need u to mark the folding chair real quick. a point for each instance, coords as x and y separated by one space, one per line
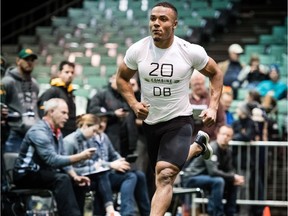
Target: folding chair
179 191
16 200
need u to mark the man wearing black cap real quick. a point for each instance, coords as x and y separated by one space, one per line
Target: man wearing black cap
19 92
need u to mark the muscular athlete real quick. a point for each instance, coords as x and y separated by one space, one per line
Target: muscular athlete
165 64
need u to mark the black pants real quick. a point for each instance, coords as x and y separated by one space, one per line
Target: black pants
59 183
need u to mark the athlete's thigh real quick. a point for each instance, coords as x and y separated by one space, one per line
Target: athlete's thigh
153 141
176 141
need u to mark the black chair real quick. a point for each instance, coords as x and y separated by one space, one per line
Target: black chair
17 201
179 191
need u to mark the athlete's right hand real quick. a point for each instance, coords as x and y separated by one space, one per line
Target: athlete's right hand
208 117
141 110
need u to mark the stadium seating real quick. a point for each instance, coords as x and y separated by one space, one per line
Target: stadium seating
241 94
43 30
10 49
110 70
97 82
254 49
88 71
27 39
41 71
85 34
106 60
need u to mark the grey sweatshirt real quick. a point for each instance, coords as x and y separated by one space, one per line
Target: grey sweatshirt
20 93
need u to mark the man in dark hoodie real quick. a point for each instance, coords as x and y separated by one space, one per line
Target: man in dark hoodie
19 92
61 87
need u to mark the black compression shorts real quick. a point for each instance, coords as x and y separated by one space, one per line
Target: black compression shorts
169 141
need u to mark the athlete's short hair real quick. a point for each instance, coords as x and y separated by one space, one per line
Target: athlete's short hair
167 5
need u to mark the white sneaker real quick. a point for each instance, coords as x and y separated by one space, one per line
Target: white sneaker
202 139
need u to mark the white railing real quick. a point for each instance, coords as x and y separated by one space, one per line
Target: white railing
264 165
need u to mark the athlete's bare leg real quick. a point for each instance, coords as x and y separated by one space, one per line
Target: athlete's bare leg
165 177
194 150
201 141
166 174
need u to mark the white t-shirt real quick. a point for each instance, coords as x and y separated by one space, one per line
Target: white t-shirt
165 75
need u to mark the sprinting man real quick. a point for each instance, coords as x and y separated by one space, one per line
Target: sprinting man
165 64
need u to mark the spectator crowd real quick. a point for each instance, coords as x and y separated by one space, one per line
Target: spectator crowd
104 150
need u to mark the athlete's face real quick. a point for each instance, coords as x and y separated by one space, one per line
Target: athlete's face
162 23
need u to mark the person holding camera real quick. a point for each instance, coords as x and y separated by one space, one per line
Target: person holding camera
19 93
253 73
108 170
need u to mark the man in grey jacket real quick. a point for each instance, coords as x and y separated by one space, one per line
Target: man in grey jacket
216 175
19 92
42 163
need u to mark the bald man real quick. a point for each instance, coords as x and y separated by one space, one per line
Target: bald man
200 100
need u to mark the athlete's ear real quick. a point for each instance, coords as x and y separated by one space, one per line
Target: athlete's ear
175 23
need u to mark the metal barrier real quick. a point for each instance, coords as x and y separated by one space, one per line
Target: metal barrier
264 165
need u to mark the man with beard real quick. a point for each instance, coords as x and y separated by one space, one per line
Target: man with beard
19 92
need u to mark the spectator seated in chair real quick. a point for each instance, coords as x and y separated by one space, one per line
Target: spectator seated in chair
117 174
216 175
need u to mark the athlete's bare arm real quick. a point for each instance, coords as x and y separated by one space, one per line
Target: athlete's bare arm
123 77
215 75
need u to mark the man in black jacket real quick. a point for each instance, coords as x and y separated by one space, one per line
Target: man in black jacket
121 127
216 175
61 87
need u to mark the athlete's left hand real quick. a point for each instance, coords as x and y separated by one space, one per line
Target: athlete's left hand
141 110
208 117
